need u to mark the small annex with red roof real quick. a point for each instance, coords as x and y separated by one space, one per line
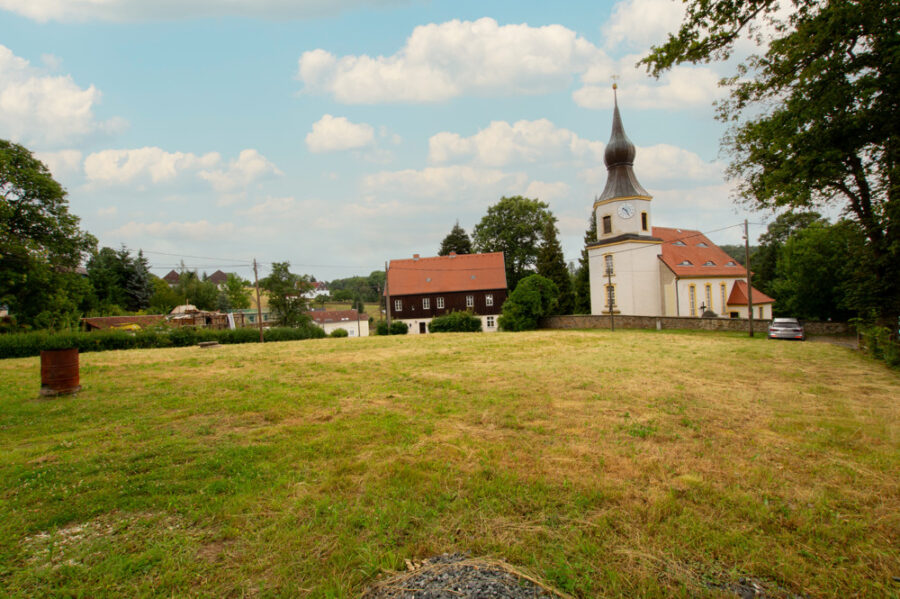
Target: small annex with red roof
642 270
421 288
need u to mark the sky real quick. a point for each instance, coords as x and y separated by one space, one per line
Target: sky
339 134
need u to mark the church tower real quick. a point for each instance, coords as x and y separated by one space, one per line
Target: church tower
624 260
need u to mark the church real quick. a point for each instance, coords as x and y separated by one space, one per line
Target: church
643 270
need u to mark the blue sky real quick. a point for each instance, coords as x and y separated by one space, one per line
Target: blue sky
337 135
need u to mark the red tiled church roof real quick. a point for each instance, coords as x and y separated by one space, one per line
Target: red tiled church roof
738 295
445 274
692 258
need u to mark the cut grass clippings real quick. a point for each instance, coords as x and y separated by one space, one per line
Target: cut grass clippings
634 463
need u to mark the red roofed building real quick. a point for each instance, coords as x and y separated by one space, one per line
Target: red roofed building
656 271
356 324
422 288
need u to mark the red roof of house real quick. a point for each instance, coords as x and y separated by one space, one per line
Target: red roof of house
323 316
105 322
445 274
217 277
690 253
171 278
738 295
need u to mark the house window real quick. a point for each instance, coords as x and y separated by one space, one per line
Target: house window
488 299
398 305
760 312
702 245
709 263
708 296
722 289
608 259
610 295
426 303
679 242
607 224
490 322
644 221
470 301
440 303
692 297
685 263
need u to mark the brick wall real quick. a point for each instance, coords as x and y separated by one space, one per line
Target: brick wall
588 321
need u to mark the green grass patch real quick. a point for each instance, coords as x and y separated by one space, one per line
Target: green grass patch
634 463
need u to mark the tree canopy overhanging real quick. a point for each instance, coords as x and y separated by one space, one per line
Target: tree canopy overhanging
813 116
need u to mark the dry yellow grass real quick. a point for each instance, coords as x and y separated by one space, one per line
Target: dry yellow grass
609 464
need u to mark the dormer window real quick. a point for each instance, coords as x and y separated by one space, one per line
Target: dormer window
702 245
709 263
685 263
730 263
679 242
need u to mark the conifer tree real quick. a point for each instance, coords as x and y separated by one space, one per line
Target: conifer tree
552 265
456 241
583 274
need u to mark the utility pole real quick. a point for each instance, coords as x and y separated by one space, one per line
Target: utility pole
258 304
749 284
387 297
609 299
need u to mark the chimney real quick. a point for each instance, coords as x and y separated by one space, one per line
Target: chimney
415 256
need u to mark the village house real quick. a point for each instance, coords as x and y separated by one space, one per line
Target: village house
356 324
656 271
318 288
421 288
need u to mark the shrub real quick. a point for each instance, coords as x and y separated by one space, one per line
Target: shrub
533 298
455 322
397 328
339 333
23 345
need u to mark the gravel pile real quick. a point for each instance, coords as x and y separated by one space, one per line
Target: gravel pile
456 576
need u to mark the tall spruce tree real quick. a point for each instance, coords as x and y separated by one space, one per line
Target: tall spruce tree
456 241
552 264
582 286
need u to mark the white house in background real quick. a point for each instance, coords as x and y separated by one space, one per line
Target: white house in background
657 271
318 288
356 324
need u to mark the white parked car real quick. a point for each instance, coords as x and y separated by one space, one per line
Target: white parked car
786 328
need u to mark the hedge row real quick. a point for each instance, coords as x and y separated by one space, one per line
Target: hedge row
22 345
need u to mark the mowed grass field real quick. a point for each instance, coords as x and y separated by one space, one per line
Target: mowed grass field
626 464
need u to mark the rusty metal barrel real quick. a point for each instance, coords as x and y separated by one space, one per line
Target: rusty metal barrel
59 372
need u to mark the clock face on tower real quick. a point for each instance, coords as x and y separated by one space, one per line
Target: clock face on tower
626 210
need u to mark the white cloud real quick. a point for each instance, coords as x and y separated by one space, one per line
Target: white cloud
663 163
442 61
249 167
680 87
116 167
547 192
446 181
331 134
157 166
37 108
62 163
108 211
522 142
200 230
642 23
138 10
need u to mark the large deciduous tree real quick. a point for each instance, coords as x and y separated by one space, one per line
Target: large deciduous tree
457 240
513 226
41 244
814 114
286 291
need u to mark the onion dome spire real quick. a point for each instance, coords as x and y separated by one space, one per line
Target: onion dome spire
619 158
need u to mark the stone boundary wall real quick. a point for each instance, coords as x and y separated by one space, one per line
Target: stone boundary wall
591 321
